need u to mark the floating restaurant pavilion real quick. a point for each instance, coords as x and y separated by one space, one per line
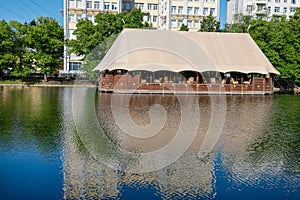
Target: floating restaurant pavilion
154 61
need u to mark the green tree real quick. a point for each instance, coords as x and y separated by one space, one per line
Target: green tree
184 28
44 40
209 24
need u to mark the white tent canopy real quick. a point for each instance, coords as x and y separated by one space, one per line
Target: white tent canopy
154 50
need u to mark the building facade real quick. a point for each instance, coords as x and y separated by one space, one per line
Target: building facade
260 8
161 14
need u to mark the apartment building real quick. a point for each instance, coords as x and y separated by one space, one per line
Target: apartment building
174 13
161 14
260 8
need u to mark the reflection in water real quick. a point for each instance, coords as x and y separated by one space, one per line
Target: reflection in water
257 155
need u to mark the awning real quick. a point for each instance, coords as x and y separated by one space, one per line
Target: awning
154 50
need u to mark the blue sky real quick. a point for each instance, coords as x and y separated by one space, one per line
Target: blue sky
27 10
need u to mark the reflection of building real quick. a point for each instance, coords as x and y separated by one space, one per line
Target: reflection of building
260 8
161 14
86 177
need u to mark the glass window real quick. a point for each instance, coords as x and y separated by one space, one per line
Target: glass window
173 11
212 11
189 10
293 1
285 10
89 5
180 8
71 18
196 10
71 4
277 9
205 11
114 6
196 24
106 5
285 1
154 18
149 18
149 6
173 23
79 3
78 17
74 65
292 10
277 1
90 17
249 7
179 23
154 6
189 23
127 5
97 5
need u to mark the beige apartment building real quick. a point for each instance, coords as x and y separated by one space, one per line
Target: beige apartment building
161 14
260 8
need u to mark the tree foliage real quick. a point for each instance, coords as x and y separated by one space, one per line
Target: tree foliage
94 40
25 48
209 24
184 28
278 39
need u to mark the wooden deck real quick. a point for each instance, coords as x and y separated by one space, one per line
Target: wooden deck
129 84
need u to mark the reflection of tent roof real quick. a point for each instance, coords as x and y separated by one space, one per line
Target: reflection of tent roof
155 50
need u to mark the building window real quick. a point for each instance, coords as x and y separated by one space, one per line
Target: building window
277 1
138 6
127 5
71 4
74 66
180 8
189 23
179 23
154 18
89 5
173 11
149 18
106 5
97 5
249 8
149 6
196 10
277 9
205 11
196 24
292 10
285 10
269 9
173 23
189 10
285 1
79 3
293 1
114 6
78 17
212 11
90 17
154 6
71 18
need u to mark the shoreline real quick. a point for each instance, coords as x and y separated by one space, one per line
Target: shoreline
48 85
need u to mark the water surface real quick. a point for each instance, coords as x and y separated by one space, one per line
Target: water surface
51 149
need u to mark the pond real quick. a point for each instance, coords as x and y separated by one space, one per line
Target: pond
76 143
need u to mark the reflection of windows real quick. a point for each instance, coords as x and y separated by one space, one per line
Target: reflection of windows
173 23
74 65
196 11
106 5
114 6
173 11
97 5
71 18
89 5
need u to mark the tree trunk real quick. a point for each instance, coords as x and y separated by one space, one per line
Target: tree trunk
1 74
45 77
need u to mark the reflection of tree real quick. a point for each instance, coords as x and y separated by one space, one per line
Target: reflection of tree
30 115
281 139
